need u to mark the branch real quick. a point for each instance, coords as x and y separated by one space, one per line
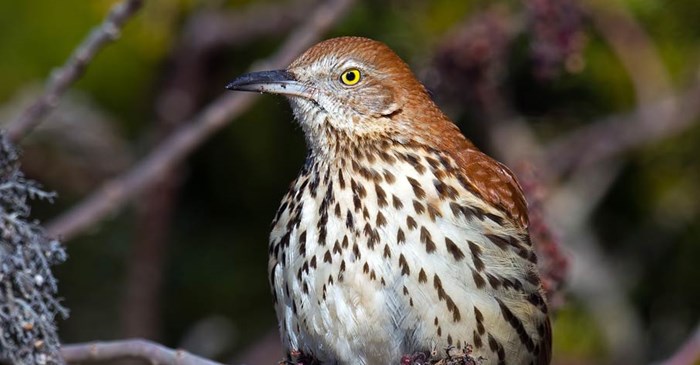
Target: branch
204 35
213 28
152 352
633 47
618 134
71 71
113 194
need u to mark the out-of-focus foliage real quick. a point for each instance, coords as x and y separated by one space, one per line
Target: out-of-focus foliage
648 223
577 335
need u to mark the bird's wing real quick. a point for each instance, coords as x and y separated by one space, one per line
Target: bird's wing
495 183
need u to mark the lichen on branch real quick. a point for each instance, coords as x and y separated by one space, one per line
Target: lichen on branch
28 302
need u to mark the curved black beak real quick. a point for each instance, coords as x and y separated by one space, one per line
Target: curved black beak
272 82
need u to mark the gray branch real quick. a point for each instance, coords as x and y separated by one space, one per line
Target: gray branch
113 194
615 135
152 352
62 78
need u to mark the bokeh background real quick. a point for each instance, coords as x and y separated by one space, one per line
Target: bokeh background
594 104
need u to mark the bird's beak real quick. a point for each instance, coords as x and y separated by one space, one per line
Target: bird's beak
272 82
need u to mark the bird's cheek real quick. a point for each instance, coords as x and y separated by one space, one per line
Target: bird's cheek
375 100
381 105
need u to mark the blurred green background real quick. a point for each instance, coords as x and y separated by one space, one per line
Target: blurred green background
200 240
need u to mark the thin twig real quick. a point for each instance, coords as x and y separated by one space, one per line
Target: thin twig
116 192
71 71
205 34
152 352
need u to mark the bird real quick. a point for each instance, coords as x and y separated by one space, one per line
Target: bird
399 242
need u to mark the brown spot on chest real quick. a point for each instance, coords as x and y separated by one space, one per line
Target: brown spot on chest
427 240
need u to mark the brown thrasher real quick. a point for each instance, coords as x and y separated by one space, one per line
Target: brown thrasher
399 237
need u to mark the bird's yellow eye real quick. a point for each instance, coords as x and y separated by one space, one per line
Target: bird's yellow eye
350 77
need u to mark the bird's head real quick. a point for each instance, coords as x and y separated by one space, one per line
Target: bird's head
350 91
352 86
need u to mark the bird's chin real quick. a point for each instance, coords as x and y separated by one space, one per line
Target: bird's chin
305 106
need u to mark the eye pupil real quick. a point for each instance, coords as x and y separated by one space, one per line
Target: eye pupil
350 76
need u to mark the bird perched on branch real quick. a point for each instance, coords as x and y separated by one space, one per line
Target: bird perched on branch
399 242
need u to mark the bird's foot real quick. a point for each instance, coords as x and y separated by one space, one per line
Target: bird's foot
417 358
299 358
452 356
457 356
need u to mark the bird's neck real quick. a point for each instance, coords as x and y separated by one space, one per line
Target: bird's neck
335 143
333 149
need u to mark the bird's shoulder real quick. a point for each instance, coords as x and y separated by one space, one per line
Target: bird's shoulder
493 182
489 179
